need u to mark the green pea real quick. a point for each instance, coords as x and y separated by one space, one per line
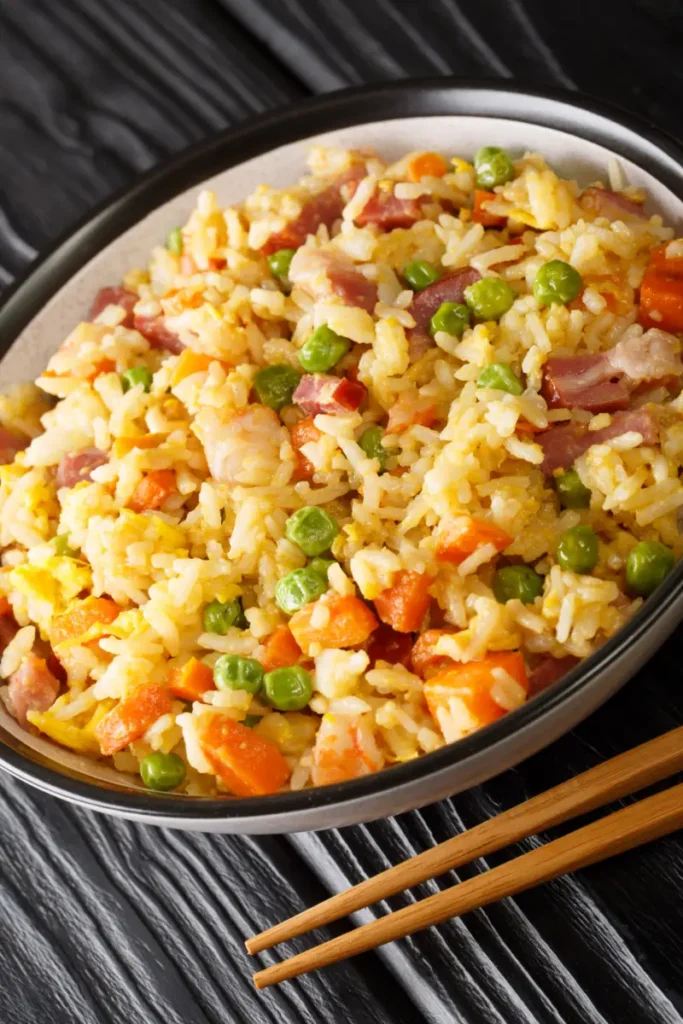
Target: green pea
219 616
288 689
298 588
493 167
62 546
251 720
279 263
518 582
489 298
321 565
371 443
276 384
323 350
557 282
162 771
648 565
500 377
419 274
136 375
451 317
233 672
570 491
174 242
312 529
577 549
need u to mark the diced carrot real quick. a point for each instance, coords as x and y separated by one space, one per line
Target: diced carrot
153 490
300 434
661 301
248 764
345 748
5 607
480 215
104 366
659 260
427 165
460 537
79 622
424 657
124 445
388 645
132 717
191 680
410 409
470 685
524 427
404 605
661 292
349 623
190 362
280 650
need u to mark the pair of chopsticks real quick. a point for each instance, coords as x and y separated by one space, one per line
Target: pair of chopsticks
622 830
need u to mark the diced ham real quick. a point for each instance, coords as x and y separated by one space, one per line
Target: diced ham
564 444
584 382
602 202
8 630
450 288
32 688
548 671
78 466
388 645
354 289
113 296
10 444
322 272
324 208
389 212
157 334
319 392
302 433
605 381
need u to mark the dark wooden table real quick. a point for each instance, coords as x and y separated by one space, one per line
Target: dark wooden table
102 921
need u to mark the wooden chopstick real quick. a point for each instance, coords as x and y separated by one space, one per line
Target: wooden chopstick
627 773
631 826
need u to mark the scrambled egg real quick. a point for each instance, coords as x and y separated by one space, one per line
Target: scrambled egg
49 586
80 738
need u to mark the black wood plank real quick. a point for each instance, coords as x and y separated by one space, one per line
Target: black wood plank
122 923
627 52
94 93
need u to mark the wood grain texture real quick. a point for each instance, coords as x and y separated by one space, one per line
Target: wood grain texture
103 921
93 93
587 45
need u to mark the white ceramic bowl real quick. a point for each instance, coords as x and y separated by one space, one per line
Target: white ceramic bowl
577 137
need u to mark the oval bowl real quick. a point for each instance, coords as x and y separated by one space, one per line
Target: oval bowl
578 136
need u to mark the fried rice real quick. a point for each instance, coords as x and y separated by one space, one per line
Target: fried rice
151 473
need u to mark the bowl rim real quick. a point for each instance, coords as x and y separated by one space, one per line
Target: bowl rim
574 113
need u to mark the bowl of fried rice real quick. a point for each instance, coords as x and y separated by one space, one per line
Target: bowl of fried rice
340 459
